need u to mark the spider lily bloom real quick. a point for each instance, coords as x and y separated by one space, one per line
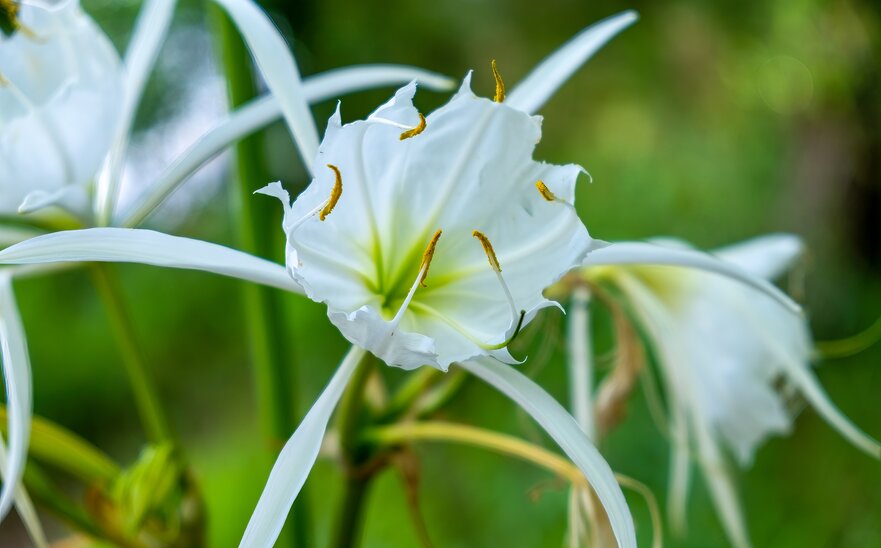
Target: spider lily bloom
722 349
60 89
430 241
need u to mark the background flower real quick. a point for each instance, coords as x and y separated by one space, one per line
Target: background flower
60 96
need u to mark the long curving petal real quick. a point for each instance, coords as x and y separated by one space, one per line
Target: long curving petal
150 30
130 245
17 375
296 460
545 79
650 254
566 432
766 256
279 70
262 111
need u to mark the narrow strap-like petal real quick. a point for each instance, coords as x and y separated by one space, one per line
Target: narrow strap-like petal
804 379
296 460
718 477
129 245
279 69
560 425
150 30
766 256
17 375
545 79
650 254
262 111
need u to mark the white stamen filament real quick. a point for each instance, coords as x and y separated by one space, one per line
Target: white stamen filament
400 313
299 222
388 122
514 312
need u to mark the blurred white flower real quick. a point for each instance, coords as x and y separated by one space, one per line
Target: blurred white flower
60 95
723 350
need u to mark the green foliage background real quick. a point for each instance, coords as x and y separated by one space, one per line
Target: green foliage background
709 121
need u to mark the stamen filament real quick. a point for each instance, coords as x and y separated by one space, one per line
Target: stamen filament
400 313
500 84
416 130
335 193
420 280
497 268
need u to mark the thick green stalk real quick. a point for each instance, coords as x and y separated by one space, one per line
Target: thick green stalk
350 420
53 444
347 533
259 235
146 399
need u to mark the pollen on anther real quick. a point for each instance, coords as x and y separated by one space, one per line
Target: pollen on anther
500 84
427 256
488 249
335 193
545 191
416 130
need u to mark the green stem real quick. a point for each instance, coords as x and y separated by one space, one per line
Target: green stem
348 529
146 399
850 346
350 420
350 411
62 449
268 336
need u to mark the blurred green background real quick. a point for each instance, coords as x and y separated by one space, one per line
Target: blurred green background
709 121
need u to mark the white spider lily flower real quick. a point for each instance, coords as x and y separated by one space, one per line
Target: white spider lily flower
60 87
722 349
459 198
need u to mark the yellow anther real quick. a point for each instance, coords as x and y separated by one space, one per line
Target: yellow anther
500 85
427 256
334 194
416 130
488 249
545 191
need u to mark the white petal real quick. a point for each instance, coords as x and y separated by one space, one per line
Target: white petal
336 82
801 376
766 256
59 102
296 460
636 253
566 432
17 375
150 29
72 198
280 71
262 111
721 484
129 245
409 351
544 80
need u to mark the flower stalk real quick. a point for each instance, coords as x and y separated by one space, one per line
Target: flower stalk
266 329
147 401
